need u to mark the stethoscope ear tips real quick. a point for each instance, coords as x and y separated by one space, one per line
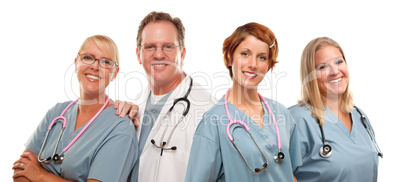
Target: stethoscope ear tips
279 157
326 151
264 166
48 160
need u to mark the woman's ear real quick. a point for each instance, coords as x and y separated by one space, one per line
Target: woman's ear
229 61
75 63
115 74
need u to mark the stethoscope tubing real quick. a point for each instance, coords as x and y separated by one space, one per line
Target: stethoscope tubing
273 119
328 152
87 125
185 112
231 122
277 157
61 117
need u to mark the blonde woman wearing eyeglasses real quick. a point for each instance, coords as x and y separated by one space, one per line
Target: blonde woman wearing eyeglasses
335 144
107 148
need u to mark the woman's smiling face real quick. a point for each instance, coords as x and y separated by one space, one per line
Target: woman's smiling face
250 62
332 72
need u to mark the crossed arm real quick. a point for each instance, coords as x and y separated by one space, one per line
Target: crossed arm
27 168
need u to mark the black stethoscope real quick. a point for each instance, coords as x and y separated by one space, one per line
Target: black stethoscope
326 149
163 143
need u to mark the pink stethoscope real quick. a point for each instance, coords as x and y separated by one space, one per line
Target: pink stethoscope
277 157
60 157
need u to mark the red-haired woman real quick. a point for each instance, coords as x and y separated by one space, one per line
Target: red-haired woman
246 137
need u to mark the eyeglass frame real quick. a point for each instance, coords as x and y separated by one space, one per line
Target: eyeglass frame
156 47
115 63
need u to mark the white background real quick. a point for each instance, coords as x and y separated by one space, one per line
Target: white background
39 41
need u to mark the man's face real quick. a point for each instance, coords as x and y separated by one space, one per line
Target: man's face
162 66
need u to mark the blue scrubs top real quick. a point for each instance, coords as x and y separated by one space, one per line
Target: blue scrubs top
213 157
106 151
354 157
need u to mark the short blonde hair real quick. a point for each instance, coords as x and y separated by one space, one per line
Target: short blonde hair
311 95
104 43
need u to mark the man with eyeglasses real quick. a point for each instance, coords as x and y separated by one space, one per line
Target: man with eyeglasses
171 107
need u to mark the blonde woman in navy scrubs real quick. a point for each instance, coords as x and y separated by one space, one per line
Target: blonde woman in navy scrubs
96 145
223 149
335 144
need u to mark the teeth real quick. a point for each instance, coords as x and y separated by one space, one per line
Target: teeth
159 65
92 77
250 74
335 81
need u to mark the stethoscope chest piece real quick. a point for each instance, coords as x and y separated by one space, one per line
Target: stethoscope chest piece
58 158
326 151
279 157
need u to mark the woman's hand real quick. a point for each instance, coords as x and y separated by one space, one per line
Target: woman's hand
29 167
124 108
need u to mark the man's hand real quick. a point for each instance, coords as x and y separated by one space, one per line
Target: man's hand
124 108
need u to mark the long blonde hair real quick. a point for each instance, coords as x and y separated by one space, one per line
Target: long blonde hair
311 96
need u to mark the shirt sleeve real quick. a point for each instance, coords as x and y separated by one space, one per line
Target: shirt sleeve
294 145
205 157
115 158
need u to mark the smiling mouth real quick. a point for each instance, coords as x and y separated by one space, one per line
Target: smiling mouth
248 74
159 65
93 77
335 81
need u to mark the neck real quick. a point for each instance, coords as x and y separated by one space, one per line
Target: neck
240 96
333 103
91 103
164 88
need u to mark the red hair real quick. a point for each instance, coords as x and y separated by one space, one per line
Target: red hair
257 30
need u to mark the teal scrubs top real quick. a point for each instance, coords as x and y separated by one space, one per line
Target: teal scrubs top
106 151
354 156
151 112
213 157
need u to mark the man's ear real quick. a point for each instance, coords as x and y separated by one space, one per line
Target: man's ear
183 55
138 55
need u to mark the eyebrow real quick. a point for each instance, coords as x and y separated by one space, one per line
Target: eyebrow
335 58
247 49
95 56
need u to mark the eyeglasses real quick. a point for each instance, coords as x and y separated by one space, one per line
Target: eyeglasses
103 62
151 48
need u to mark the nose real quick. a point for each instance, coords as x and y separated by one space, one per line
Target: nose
252 63
95 65
334 70
159 54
